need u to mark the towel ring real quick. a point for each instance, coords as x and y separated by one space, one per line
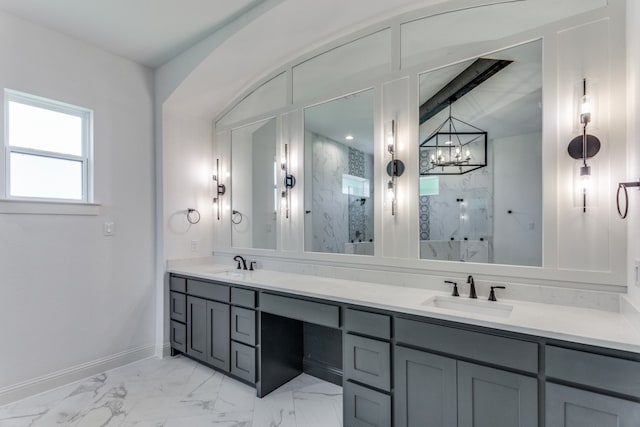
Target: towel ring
236 217
623 186
193 216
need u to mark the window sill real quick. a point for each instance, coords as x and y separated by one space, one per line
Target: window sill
29 207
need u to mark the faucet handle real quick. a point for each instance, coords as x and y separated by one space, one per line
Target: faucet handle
455 288
251 264
492 294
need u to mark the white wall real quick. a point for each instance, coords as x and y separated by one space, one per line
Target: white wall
633 140
70 298
187 179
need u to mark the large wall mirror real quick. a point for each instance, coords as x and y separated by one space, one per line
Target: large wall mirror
254 192
338 149
480 159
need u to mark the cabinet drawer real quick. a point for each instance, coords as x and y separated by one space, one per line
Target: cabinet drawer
364 407
570 407
208 290
243 297
307 311
178 284
507 352
178 336
595 370
368 361
178 306
362 322
243 361
243 325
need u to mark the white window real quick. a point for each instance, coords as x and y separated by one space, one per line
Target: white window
48 148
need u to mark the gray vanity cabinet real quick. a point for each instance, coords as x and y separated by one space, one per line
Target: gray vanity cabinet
178 306
197 328
571 407
218 335
490 397
208 332
437 391
425 389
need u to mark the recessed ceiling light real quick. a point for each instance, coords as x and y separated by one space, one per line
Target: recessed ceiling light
349 137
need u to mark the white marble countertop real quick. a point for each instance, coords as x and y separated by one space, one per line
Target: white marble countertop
574 324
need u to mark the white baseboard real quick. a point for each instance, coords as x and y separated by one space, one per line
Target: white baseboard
164 350
66 376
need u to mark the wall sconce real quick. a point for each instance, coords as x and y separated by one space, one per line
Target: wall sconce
584 147
218 189
395 167
289 180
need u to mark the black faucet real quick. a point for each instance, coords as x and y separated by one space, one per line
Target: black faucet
455 288
472 289
240 261
492 294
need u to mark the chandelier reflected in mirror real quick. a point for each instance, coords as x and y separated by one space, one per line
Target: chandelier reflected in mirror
453 148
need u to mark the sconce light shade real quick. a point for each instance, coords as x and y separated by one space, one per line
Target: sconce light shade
289 181
581 148
218 190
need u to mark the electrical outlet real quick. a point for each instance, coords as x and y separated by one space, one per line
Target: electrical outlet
194 245
636 272
109 228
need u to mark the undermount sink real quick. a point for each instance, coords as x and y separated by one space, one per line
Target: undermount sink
234 273
473 306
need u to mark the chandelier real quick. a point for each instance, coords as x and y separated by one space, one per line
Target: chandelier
453 148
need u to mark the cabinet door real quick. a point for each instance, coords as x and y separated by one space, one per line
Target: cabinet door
178 336
243 325
570 407
197 327
243 361
494 398
367 361
178 306
364 407
218 335
425 389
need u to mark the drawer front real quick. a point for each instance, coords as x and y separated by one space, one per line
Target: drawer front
243 297
595 370
208 290
507 352
243 325
364 407
178 336
307 311
368 361
178 284
571 407
243 361
362 322
178 306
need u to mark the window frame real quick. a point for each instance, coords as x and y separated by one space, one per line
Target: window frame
85 115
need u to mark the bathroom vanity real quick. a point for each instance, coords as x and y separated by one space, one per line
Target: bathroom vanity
406 357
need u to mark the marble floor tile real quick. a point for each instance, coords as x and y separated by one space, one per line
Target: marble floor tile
177 392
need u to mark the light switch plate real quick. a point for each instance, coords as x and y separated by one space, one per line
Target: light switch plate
636 272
